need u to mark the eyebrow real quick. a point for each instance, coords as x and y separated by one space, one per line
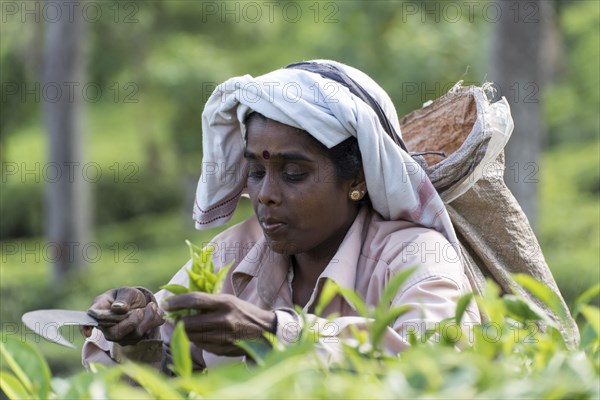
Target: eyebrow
283 156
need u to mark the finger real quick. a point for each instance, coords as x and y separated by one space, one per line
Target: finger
219 329
86 330
205 324
117 332
101 308
204 338
198 300
106 317
152 318
105 300
128 298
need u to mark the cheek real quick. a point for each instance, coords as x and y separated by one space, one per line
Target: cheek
328 175
252 191
327 206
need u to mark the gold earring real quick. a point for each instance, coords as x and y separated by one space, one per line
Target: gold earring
355 195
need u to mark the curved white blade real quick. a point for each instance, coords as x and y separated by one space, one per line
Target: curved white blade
47 323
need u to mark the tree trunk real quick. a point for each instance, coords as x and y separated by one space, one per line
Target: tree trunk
67 192
516 68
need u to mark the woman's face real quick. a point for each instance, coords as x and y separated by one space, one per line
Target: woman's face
301 205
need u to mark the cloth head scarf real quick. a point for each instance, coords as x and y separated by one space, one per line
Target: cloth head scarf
329 111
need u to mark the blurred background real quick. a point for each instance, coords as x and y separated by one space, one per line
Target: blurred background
100 128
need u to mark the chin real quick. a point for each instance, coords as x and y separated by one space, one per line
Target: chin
284 248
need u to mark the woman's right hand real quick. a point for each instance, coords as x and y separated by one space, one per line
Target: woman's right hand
127 315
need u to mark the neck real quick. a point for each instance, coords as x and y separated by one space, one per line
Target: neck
307 269
305 279
308 266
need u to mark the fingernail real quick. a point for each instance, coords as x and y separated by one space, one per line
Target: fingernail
118 304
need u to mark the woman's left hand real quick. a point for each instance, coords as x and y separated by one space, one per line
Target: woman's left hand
222 320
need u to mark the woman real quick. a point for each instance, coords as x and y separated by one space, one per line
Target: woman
316 147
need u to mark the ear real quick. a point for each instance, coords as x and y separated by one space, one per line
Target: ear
359 183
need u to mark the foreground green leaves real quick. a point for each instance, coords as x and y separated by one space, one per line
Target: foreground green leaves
510 357
180 349
30 375
202 276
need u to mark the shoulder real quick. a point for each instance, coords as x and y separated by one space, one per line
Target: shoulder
385 240
402 244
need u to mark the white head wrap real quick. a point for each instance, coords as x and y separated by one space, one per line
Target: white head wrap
397 185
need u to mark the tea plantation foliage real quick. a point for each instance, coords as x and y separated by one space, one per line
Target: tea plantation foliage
510 357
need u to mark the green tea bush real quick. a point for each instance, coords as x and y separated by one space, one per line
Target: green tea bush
509 357
143 193
568 228
140 193
21 210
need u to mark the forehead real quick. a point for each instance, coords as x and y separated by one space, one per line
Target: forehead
275 137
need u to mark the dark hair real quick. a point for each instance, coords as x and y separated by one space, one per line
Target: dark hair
345 156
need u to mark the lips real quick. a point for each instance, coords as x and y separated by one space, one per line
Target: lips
271 225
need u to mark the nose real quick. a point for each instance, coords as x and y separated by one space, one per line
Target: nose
270 190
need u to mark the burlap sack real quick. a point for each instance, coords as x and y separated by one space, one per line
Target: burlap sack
495 235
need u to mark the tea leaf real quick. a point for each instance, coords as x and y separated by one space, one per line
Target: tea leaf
12 387
201 258
210 277
355 301
255 349
201 277
28 366
392 288
461 306
330 289
523 310
585 298
175 288
542 292
589 338
180 349
198 281
592 316
383 321
221 278
85 386
150 380
490 303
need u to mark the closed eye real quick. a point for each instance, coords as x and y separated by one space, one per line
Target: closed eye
295 177
292 172
255 172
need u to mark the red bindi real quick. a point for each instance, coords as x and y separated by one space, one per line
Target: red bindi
266 155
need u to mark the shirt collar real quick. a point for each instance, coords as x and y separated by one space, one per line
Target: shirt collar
269 268
342 268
